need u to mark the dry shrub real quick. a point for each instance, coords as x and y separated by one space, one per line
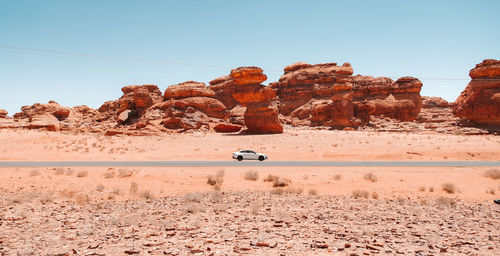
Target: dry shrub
449 188
490 191
100 188
312 192
445 201
82 199
251 175
421 189
360 193
216 179
123 173
194 208
371 177
281 182
133 188
215 196
375 195
431 189
117 191
400 199
337 177
69 172
492 174
34 173
68 193
193 197
82 174
59 171
270 178
109 174
146 194
45 198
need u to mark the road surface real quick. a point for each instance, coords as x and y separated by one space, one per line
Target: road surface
230 163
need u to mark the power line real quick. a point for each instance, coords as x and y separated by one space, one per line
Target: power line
57 53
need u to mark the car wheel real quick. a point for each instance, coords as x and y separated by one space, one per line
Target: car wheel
261 158
240 158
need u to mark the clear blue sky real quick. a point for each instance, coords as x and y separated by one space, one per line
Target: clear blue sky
425 39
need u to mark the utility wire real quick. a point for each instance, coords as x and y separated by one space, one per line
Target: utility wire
15 49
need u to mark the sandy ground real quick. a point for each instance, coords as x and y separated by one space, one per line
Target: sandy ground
322 210
27 145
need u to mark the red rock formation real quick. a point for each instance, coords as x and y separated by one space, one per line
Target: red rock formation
3 113
382 96
44 121
480 101
188 89
261 115
52 108
434 102
319 93
227 127
223 87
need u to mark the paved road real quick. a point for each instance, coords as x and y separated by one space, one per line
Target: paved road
249 163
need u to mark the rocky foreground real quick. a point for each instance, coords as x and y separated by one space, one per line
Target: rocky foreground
280 222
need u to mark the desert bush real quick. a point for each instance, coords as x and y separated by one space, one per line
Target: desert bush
133 188
421 189
270 178
69 172
449 188
375 195
82 174
59 171
490 191
109 174
281 182
68 193
445 201
100 188
492 174
216 179
117 191
431 189
123 173
370 177
360 193
146 194
82 199
193 197
251 175
312 192
34 173
337 177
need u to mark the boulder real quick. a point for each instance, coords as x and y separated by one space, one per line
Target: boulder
224 87
227 128
480 101
51 108
44 121
3 113
261 116
124 116
209 106
188 89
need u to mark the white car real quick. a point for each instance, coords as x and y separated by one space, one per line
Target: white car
249 155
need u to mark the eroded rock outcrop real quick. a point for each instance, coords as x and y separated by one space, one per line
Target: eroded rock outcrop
382 96
3 113
480 101
244 85
136 98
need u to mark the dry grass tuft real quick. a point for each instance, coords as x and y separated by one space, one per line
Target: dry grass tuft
492 174
445 201
431 189
123 173
68 193
360 193
251 175
146 194
490 191
337 177
34 173
449 188
270 178
59 171
421 189
82 174
216 179
117 191
375 195
312 192
100 188
133 188
193 197
371 177
281 182
69 172
109 174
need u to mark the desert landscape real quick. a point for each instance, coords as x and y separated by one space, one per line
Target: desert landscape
257 210
219 128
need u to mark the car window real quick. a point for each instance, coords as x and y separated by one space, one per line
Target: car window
253 152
